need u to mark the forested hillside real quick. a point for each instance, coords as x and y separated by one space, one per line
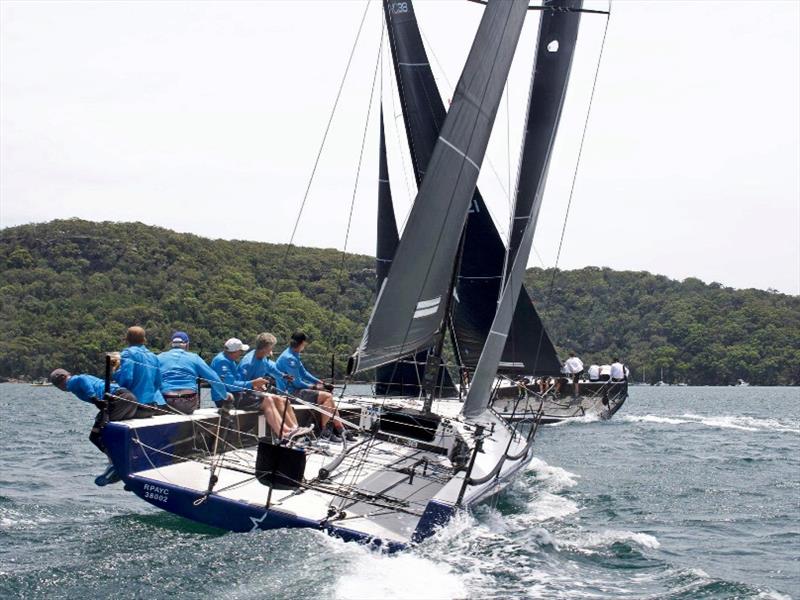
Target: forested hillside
69 289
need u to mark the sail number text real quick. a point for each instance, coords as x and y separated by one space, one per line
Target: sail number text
154 492
396 8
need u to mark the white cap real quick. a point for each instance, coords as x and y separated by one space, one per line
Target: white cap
235 344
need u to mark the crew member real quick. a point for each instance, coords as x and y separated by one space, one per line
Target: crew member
122 405
246 393
180 370
257 363
139 371
594 373
618 371
573 368
605 372
307 387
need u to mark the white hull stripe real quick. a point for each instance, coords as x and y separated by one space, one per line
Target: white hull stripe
467 158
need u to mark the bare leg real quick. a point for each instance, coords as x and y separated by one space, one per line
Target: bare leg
323 417
272 415
325 400
282 404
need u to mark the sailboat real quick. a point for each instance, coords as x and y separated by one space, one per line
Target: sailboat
528 354
413 468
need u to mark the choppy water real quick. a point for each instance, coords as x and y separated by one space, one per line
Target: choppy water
686 493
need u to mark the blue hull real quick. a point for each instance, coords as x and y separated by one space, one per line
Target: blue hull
127 449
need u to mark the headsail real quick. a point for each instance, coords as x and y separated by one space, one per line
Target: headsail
402 377
558 32
480 277
411 304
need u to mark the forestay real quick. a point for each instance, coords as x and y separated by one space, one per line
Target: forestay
558 31
410 308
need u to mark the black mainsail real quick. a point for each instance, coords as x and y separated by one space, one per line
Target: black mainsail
478 285
388 238
558 32
410 311
403 377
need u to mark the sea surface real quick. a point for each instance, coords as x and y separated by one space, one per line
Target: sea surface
686 493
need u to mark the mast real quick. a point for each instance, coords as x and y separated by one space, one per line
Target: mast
558 32
409 314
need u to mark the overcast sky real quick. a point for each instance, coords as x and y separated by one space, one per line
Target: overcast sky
206 117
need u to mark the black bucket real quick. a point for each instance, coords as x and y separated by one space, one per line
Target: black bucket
279 466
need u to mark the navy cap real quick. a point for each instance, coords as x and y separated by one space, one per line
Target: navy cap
180 337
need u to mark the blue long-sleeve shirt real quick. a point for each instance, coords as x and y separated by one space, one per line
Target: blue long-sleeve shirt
140 373
180 370
289 362
228 372
88 387
251 367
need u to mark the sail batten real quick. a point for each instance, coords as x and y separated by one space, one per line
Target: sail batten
424 262
548 90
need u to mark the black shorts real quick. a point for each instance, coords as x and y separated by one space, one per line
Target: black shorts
121 407
308 395
185 403
247 401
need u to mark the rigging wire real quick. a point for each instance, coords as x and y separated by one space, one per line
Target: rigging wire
378 62
342 268
327 130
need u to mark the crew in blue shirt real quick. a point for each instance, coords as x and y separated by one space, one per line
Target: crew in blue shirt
180 371
226 365
88 387
122 405
290 363
309 388
139 370
249 394
257 363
